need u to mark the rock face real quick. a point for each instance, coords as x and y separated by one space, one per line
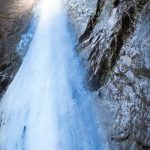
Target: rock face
114 42
15 16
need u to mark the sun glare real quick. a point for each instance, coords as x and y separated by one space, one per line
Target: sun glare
51 7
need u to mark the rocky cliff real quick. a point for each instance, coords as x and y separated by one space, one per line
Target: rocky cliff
15 16
114 43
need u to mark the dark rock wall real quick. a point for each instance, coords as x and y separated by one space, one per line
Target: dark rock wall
115 47
15 16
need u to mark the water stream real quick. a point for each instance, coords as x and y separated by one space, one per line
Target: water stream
47 107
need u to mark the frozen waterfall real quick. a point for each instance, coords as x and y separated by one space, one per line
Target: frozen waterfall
46 107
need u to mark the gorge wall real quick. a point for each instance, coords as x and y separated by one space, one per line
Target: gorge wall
15 16
114 42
